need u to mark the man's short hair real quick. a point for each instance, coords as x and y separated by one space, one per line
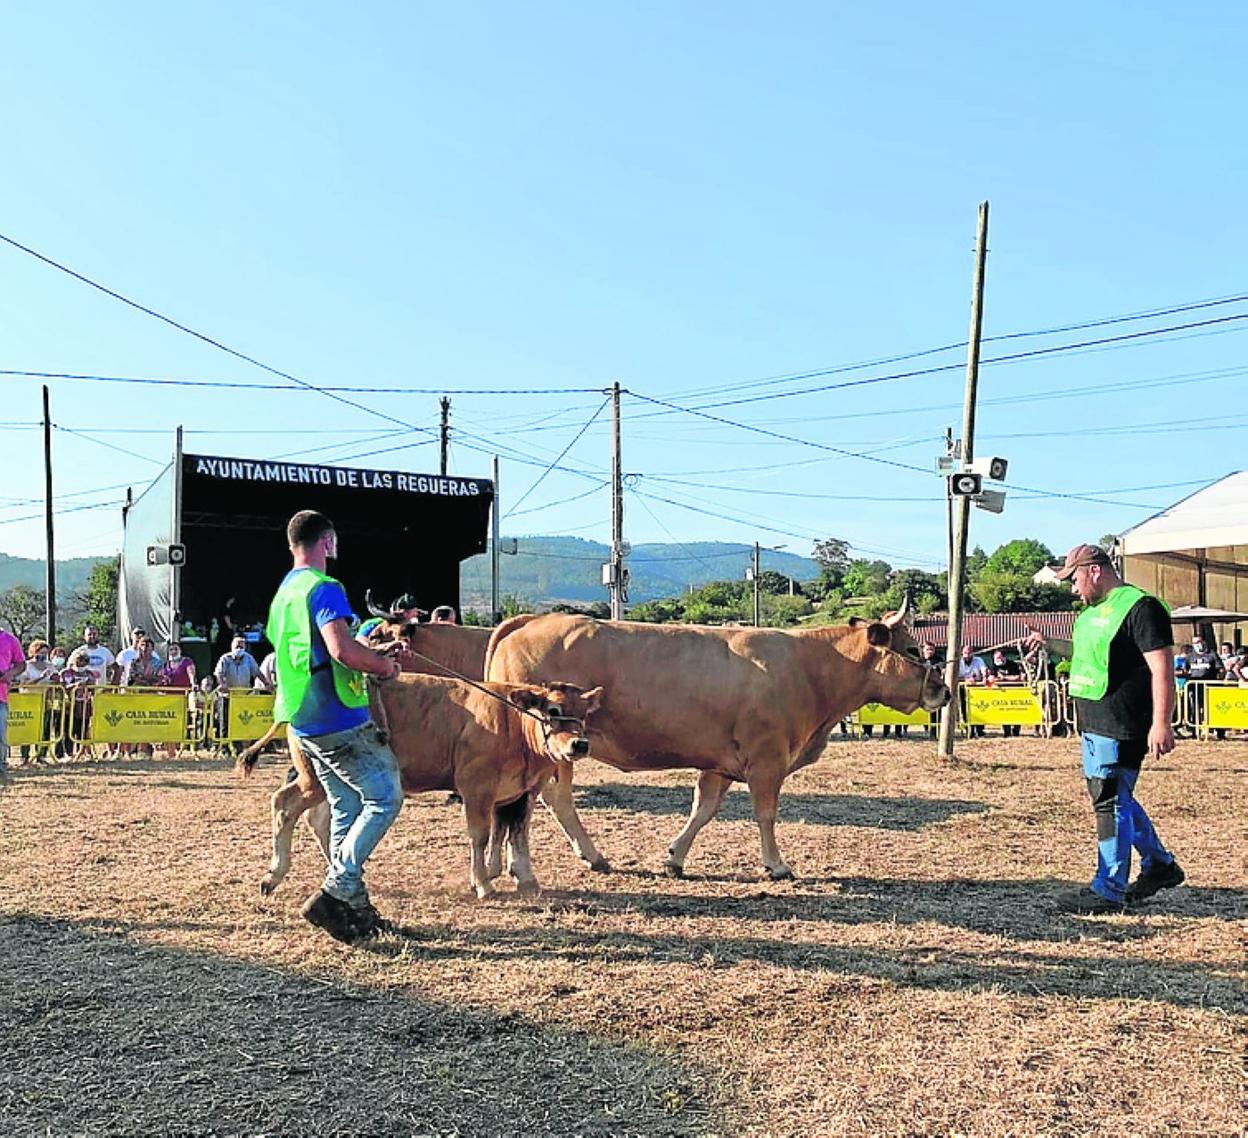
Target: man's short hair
307 527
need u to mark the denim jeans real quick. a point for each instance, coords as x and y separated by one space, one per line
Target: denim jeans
1120 820
361 779
4 735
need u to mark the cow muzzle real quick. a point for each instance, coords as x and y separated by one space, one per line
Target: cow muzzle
580 746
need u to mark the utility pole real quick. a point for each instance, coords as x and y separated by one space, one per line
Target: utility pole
949 453
49 585
446 436
617 571
495 615
757 606
962 507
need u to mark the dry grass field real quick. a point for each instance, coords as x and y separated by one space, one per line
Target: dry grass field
912 981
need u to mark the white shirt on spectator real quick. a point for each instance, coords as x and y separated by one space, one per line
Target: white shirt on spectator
972 671
99 660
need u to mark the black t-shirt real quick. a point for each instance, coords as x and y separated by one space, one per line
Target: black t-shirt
1125 711
1006 671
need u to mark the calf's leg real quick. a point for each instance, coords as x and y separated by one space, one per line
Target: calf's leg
479 818
289 802
516 817
557 795
707 799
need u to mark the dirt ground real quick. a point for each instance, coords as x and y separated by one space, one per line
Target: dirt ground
913 980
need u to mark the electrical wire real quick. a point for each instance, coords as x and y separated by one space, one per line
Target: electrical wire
576 438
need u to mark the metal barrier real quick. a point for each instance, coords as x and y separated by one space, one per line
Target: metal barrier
36 716
1009 705
238 716
1213 705
130 716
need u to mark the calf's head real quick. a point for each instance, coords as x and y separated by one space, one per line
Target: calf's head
561 710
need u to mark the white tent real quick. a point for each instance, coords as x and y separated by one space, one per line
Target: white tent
1196 551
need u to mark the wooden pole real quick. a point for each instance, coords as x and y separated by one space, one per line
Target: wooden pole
49 586
495 527
446 433
757 606
962 505
617 511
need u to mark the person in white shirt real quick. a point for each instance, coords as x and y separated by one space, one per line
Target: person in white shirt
127 656
99 659
972 670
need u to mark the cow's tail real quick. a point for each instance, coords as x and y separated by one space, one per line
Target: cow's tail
505 629
246 762
511 817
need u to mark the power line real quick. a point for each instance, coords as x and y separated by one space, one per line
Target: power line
563 452
837 369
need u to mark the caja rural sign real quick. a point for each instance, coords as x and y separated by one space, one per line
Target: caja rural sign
133 717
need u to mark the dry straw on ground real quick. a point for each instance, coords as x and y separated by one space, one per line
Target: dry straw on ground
912 980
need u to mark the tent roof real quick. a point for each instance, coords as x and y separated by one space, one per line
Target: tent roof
1210 518
1200 614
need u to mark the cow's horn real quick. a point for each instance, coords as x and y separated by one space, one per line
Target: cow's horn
372 608
901 614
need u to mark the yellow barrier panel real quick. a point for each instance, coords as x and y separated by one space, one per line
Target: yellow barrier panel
248 716
27 719
1002 706
877 715
131 716
1226 707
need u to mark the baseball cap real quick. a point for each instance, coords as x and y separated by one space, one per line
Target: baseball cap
1078 557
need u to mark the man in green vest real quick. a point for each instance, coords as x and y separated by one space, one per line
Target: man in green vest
1122 681
321 693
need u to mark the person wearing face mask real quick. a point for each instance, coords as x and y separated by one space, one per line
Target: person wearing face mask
39 668
321 694
178 671
236 670
1121 678
1203 663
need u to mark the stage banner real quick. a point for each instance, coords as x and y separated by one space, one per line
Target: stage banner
1224 707
26 718
138 717
248 716
1003 706
877 715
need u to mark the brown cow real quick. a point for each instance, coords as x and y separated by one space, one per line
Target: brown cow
496 750
740 704
436 649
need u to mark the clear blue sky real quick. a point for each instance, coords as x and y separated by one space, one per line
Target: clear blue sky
681 197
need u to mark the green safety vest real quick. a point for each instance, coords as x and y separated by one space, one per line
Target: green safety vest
290 632
1095 630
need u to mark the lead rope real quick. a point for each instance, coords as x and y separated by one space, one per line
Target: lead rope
542 719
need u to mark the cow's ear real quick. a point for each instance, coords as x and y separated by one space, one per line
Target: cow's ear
593 700
526 698
879 634
855 621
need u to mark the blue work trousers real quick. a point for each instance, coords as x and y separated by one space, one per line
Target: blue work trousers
1120 820
361 779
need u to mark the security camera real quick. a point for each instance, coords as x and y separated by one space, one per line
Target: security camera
991 468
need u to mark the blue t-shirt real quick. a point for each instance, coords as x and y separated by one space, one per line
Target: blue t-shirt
322 712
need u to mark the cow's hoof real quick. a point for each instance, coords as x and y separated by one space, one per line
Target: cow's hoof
600 865
673 870
783 873
267 886
528 888
485 893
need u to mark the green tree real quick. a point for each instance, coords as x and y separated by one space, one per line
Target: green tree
1022 556
867 578
23 609
1016 592
975 561
96 605
832 554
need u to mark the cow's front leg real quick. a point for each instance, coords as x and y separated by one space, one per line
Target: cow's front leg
765 791
519 864
557 795
707 799
494 854
289 802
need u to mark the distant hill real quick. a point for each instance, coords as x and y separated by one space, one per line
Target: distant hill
551 569
71 575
